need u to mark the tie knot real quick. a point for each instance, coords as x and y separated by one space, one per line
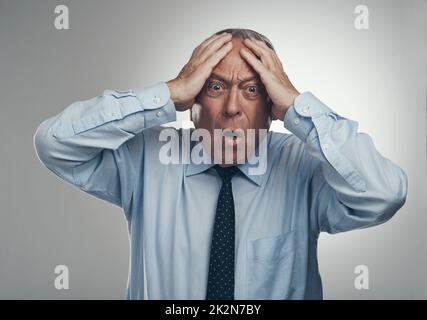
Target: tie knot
226 173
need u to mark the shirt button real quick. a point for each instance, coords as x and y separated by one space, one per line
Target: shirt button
156 100
325 146
159 114
306 109
296 121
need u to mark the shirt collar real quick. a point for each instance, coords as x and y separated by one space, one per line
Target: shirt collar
193 169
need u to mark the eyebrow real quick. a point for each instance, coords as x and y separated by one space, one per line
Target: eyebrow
219 77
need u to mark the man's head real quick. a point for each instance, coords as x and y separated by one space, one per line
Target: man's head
234 97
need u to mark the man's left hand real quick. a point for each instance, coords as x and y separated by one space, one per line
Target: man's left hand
267 64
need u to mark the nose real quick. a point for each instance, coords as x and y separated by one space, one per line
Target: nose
232 106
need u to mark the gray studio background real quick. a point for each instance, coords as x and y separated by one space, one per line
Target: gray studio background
375 76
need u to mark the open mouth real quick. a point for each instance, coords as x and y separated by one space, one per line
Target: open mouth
232 136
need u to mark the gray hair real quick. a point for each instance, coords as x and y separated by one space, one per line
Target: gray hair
247 33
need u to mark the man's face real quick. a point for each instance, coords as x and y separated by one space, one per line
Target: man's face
232 98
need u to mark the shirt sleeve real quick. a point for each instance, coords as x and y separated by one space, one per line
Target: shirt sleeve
88 144
352 185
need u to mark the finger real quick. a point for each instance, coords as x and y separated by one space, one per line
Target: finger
215 58
206 42
254 62
211 39
262 44
273 54
260 52
270 53
214 46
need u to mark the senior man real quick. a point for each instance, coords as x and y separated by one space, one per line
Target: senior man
214 229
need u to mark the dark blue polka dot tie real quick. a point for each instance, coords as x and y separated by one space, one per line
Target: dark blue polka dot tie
221 263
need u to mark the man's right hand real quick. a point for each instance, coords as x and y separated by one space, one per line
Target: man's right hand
191 79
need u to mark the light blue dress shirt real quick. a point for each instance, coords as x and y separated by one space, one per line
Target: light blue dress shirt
324 177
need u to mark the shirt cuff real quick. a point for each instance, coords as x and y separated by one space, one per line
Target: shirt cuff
160 116
154 96
298 118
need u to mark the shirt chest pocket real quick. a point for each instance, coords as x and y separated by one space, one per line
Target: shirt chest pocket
270 264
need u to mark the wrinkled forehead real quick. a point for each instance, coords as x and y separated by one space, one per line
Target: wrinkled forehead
233 66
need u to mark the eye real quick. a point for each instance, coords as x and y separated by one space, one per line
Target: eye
214 88
214 85
253 89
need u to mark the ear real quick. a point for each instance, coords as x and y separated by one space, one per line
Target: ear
191 109
196 101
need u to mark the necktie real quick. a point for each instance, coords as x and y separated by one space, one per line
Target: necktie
221 263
